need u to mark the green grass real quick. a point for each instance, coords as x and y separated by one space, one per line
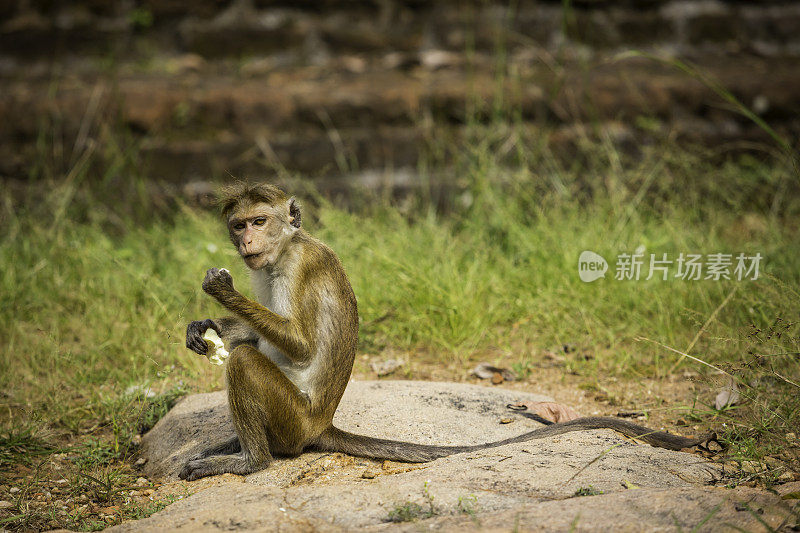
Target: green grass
410 511
88 312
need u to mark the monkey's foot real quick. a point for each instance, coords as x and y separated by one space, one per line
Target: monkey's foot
239 464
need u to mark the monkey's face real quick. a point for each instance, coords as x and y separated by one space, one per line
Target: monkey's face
260 233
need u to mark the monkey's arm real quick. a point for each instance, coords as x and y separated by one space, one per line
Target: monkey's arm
235 332
287 335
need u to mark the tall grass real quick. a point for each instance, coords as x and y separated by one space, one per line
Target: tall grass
93 303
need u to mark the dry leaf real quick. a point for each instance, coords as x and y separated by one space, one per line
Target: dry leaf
555 412
487 371
497 378
727 397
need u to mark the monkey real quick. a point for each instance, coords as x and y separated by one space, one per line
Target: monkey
292 349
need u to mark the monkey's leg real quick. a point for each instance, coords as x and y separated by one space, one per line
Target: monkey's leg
269 414
228 447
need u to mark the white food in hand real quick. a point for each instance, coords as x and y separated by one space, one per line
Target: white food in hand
216 349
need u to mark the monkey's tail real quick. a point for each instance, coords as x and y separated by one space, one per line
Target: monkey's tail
336 440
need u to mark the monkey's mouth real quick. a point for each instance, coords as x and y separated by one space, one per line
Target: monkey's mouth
251 256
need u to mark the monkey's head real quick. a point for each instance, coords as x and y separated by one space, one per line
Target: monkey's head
261 221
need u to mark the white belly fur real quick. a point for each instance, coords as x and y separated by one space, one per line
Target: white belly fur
274 295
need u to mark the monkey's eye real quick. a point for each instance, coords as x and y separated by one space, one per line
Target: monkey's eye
259 221
239 226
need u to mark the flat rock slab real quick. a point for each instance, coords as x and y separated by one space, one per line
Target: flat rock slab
529 485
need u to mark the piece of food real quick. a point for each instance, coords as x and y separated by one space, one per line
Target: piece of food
216 349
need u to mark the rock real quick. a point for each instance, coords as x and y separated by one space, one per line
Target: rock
335 491
6 505
384 368
753 467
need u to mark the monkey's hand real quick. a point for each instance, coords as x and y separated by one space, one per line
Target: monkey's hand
217 282
194 335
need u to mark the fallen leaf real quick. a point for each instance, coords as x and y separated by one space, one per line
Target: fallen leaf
727 397
628 485
487 371
552 411
497 378
506 420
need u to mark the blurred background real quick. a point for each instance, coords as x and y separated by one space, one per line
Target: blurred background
378 94
457 156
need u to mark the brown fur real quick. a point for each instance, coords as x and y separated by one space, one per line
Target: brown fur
287 372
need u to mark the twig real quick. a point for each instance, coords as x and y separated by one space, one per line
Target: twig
702 329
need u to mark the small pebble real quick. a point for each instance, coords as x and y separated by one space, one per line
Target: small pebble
142 481
6 505
506 420
140 461
13 490
369 474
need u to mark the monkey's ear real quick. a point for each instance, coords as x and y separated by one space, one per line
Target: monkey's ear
294 213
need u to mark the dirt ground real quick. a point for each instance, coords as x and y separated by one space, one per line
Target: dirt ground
51 491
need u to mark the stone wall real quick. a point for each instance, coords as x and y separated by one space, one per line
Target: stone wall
336 88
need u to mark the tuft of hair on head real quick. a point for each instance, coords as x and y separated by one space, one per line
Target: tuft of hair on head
242 192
